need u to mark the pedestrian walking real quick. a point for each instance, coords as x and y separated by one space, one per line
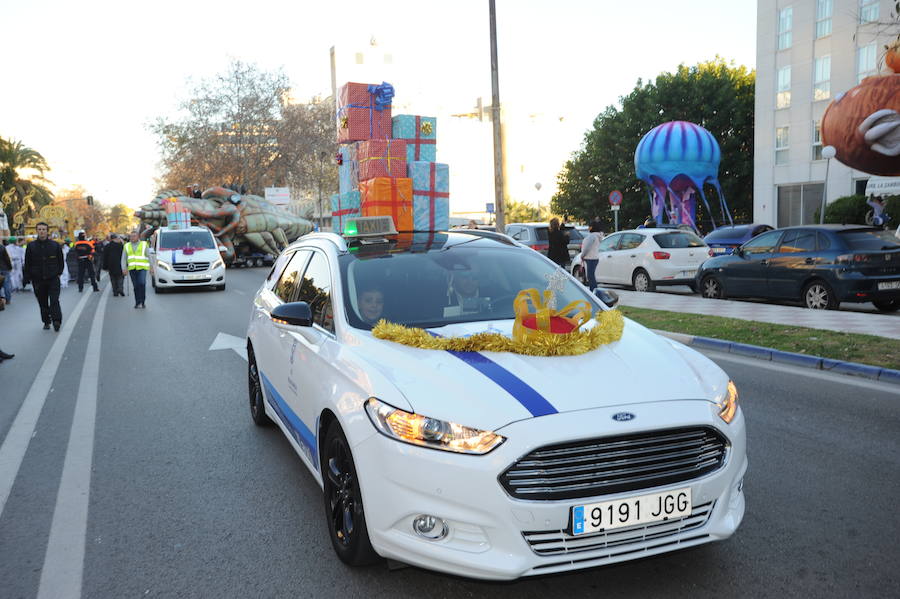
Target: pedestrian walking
590 253
6 273
17 256
136 263
558 250
85 252
99 248
112 262
43 265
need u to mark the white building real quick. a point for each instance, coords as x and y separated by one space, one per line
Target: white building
807 52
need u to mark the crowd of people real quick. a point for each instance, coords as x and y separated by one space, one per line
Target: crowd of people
43 264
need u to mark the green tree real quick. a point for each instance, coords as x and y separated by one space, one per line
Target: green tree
714 95
22 182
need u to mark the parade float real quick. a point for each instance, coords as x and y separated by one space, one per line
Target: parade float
675 160
243 224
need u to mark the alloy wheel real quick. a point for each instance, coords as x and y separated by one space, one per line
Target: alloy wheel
641 281
341 493
257 409
712 289
817 297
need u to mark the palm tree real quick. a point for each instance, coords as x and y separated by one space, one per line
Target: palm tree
22 172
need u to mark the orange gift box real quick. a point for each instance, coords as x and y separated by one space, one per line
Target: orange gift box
386 196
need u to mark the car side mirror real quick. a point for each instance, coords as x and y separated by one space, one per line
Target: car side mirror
222 249
739 252
607 296
297 314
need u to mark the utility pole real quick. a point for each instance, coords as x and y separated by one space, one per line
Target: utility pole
499 161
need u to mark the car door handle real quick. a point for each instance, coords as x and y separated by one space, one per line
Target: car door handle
632 256
810 261
763 262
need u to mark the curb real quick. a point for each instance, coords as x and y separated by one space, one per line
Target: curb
876 373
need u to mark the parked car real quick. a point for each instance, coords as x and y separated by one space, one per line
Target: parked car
725 240
535 236
819 265
645 258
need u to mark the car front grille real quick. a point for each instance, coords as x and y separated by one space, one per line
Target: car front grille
185 266
618 464
560 542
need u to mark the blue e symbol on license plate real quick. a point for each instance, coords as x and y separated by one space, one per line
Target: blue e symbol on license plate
578 520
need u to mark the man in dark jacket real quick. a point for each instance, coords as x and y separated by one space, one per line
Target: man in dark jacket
85 251
112 260
43 265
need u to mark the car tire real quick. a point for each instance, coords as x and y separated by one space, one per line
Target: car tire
255 392
641 281
889 305
344 513
711 288
220 287
817 295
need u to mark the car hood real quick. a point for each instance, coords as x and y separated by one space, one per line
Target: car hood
488 390
188 255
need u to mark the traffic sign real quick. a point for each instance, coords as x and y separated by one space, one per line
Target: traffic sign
489 207
615 207
615 198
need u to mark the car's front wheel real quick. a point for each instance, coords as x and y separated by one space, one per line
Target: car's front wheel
257 407
817 295
343 501
890 305
711 288
642 281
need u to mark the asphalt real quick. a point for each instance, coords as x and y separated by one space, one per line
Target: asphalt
189 499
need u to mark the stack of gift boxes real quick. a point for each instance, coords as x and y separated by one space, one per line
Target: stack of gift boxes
387 164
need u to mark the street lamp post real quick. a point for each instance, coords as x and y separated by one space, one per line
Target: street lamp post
828 152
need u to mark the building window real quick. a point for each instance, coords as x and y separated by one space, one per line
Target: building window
782 141
798 204
783 97
868 11
822 79
785 25
817 141
823 18
865 62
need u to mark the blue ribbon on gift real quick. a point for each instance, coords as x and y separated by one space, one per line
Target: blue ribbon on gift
382 95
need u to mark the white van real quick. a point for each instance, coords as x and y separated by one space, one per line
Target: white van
185 257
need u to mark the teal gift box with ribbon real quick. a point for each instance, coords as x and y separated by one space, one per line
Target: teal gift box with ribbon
431 195
348 168
344 206
420 135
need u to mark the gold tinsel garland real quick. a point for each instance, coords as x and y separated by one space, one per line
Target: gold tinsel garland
608 329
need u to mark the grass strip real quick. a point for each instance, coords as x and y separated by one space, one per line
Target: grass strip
850 347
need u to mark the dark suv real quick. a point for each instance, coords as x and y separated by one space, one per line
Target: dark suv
820 265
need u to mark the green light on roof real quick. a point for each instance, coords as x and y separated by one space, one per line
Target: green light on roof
350 228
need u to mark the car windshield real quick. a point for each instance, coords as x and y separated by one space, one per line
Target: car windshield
460 283
679 239
179 240
870 239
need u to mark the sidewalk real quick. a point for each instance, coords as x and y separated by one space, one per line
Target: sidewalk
882 325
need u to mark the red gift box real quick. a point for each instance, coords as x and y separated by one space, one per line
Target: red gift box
381 158
360 115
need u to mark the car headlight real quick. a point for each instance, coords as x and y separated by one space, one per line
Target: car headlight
728 403
163 265
430 432
218 263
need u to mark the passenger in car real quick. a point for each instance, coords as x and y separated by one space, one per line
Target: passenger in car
371 305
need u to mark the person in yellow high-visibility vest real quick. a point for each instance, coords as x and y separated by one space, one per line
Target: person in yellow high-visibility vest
136 263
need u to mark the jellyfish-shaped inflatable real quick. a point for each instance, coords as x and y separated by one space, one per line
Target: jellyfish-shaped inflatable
675 159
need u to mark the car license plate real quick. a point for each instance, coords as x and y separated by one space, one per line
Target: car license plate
719 250
195 277
643 509
690 274
888 285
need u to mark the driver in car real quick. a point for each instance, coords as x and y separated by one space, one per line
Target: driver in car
463 295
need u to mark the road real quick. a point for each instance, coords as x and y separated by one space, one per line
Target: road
188 499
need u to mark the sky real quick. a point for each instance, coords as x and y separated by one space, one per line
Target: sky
91 75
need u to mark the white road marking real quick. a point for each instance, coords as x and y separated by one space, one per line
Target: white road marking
12 452
63 568
831 377
226 341
239 292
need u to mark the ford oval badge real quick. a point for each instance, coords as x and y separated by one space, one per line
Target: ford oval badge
623 416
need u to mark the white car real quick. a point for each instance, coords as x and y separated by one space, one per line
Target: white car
645 258
485 464
185 257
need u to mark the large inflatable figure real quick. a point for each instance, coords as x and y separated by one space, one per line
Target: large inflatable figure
236 220
675 159
863 124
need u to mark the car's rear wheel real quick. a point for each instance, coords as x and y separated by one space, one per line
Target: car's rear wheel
254 381
343 501
711 288
817 295
890 305
642 281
